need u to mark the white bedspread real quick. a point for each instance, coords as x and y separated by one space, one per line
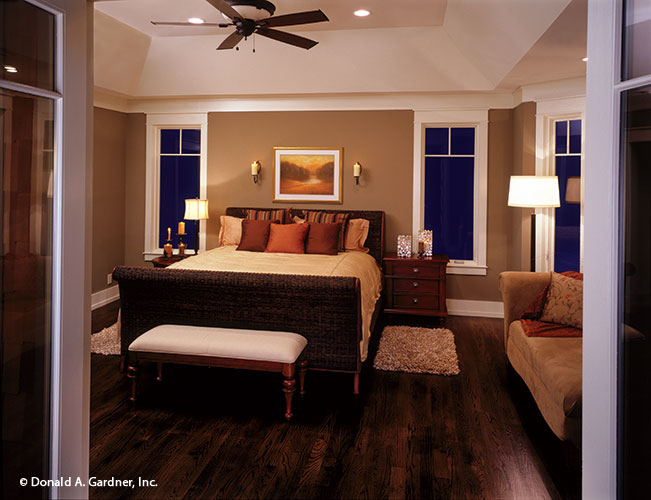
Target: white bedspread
356 264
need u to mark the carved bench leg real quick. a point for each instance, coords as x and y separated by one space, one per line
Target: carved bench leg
302 370
159 376
356 384
132 373
289 383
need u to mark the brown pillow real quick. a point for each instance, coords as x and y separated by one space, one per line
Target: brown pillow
255 234
564 304
322 238
287 238
329 218
356 234
280 214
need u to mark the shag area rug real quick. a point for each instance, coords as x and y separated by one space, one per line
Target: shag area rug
417 350
107 341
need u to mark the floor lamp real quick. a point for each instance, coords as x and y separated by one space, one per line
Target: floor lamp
196 209
534 191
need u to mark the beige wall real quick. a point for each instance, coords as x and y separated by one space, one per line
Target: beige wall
108 194
382 141
134 207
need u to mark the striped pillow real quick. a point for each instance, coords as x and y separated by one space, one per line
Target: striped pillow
331 218
280 214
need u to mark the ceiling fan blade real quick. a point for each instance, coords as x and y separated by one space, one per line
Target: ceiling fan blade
230 41
225 9
166 23
281 36
312 16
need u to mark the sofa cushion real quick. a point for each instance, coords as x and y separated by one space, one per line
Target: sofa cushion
558 364
564 304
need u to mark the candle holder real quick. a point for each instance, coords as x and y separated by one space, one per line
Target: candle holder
182 246
425 236
404 245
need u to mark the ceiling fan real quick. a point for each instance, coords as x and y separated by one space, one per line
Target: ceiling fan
255 16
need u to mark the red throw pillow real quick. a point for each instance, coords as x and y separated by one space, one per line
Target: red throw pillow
287 238
322 238
329 218
255 234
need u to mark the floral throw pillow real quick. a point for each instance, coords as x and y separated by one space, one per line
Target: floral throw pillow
564 304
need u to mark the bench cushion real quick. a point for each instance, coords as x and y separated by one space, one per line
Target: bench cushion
259 345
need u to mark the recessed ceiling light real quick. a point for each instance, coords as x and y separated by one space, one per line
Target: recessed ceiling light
361 13
11 69
196 20
585 59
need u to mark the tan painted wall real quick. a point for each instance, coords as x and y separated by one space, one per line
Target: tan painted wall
108 194
500 161
382 141
134 206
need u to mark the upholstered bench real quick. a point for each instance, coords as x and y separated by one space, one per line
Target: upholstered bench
222 347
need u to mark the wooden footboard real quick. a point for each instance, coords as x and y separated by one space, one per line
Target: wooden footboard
325 310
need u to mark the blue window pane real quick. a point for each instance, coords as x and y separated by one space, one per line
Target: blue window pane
463 141
561 138
449 200
179 179
191 141
575 136
436 141
169 141
568 218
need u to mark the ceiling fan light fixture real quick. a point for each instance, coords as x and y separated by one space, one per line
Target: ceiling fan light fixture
196 20
361 12
253 9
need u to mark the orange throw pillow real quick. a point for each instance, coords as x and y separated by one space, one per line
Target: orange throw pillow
255 234
322 238
287 238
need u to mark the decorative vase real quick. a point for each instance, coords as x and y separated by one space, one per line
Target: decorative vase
425 236
404 245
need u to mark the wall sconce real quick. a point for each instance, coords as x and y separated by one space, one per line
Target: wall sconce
255 170
357 170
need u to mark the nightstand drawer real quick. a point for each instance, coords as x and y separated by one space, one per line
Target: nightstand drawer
416 301
415 285
415 269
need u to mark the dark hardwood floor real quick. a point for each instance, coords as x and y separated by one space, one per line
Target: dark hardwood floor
216 433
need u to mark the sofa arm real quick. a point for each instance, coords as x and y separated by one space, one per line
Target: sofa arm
519 289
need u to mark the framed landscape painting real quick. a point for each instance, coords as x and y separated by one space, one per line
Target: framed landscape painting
307 175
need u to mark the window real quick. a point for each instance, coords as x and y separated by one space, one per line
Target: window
567 162
449 189
176 170
450 182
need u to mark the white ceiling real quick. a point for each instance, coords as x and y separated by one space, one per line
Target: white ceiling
384 14
403 46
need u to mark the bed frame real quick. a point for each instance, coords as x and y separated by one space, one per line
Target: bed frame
325 310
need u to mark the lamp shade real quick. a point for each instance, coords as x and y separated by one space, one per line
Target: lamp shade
536 191
196 209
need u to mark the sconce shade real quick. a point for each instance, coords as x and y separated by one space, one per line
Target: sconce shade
196 209
573 190
535 191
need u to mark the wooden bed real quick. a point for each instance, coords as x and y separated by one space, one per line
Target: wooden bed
325 310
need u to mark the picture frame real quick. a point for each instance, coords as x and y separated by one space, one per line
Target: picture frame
307 175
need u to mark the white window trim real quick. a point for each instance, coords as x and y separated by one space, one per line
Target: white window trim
547 112
156 122
455 118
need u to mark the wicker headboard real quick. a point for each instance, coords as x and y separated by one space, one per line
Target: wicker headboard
374 242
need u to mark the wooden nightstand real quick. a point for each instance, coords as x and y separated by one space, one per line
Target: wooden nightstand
166 261
415 286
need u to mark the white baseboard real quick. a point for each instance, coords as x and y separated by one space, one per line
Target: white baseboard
480 308
103 297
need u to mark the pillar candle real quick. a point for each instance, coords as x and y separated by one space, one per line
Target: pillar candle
254 168
181 227
357 169
169 233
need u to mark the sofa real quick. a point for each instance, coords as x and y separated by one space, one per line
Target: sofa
551 367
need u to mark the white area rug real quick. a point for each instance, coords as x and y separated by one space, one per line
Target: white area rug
107 341
417 350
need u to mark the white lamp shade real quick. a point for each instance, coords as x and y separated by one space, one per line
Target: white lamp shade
536 191
196 209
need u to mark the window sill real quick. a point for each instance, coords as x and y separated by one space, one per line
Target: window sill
152 254
469 269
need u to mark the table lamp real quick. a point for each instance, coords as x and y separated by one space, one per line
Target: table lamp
534 191
196 209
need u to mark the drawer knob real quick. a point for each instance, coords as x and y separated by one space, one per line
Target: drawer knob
415 300
415 284
416 270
